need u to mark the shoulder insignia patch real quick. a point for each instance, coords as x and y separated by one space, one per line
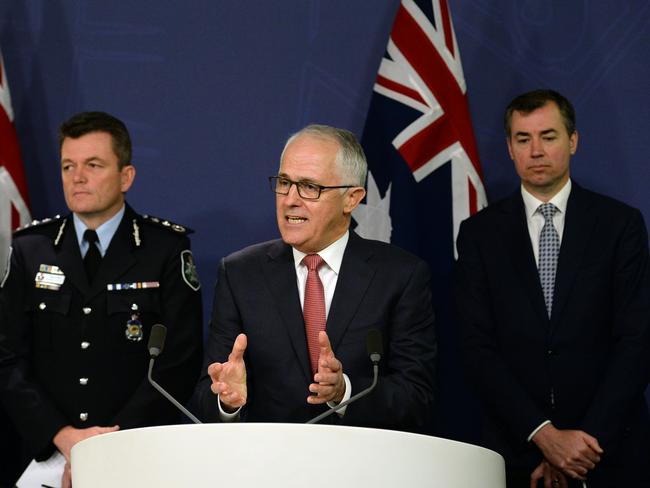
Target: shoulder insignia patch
166 224
188 270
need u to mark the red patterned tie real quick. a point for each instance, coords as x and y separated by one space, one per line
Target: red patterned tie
314 307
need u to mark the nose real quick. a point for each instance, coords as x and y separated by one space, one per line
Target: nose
78 175
536 147
293 197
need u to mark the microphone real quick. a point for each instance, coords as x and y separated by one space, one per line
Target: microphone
374 347
155 345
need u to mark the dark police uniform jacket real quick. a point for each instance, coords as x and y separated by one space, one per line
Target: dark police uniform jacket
75 354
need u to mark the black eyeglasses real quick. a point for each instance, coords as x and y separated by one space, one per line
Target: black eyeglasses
306 189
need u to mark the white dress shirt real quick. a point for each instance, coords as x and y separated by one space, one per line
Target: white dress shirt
535 222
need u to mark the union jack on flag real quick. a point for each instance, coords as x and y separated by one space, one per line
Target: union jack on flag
419 122
14 209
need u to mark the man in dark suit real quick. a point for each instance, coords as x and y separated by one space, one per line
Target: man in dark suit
81 295
265 361
553 300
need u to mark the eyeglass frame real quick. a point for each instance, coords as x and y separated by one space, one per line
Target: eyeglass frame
299 183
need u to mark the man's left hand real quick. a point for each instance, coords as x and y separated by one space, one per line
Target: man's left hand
552 477
329 385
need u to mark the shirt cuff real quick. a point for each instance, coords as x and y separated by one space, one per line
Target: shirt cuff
346 396
539 427
225 416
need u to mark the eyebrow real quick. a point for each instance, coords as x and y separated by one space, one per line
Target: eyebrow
300 180
87 160
544 132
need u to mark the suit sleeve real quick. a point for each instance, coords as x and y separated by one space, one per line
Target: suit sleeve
178 368
404 396
36 416
500 391
225 325
626 374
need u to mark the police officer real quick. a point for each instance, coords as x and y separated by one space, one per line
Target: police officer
80 297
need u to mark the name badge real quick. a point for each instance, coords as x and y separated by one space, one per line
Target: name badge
49 277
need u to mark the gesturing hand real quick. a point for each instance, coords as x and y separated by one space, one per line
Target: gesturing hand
229 378
329 384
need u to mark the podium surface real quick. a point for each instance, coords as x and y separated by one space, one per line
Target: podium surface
286 455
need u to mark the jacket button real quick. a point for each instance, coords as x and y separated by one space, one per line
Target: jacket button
87 310
42 306
85 345
83 416
83 381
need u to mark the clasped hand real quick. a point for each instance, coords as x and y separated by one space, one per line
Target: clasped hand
573 452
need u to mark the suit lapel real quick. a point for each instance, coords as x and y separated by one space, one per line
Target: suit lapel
280 275
578 227
517 239
353 281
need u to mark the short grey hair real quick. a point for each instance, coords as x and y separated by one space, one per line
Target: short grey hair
350 158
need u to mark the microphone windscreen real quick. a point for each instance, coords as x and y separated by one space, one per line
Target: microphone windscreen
374 344
157 339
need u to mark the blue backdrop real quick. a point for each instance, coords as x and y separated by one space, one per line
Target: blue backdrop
210 89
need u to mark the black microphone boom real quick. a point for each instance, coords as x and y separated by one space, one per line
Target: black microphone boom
155 346
374 346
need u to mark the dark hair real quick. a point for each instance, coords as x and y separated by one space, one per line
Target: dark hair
530 101
86 122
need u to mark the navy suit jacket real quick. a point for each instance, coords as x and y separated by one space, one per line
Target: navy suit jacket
379 286
585 368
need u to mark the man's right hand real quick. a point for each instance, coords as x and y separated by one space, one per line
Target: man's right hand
573 451
229 378
68 436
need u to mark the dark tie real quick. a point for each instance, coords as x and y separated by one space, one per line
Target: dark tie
93 258
314 307
549 250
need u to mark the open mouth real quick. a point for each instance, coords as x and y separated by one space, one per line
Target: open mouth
295 220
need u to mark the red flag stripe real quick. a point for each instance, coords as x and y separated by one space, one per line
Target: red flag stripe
435 73
401 89
446 25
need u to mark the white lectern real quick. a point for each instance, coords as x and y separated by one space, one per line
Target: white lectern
280 455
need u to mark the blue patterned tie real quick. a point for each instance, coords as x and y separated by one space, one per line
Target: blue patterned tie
549 249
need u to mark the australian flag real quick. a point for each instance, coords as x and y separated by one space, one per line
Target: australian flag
425 176
14 210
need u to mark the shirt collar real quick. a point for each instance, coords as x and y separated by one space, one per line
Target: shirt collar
560 200
105 232
332 254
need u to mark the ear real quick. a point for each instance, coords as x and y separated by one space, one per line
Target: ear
573 142
127 175
352 198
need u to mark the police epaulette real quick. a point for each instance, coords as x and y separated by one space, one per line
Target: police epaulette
34 224
166 224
